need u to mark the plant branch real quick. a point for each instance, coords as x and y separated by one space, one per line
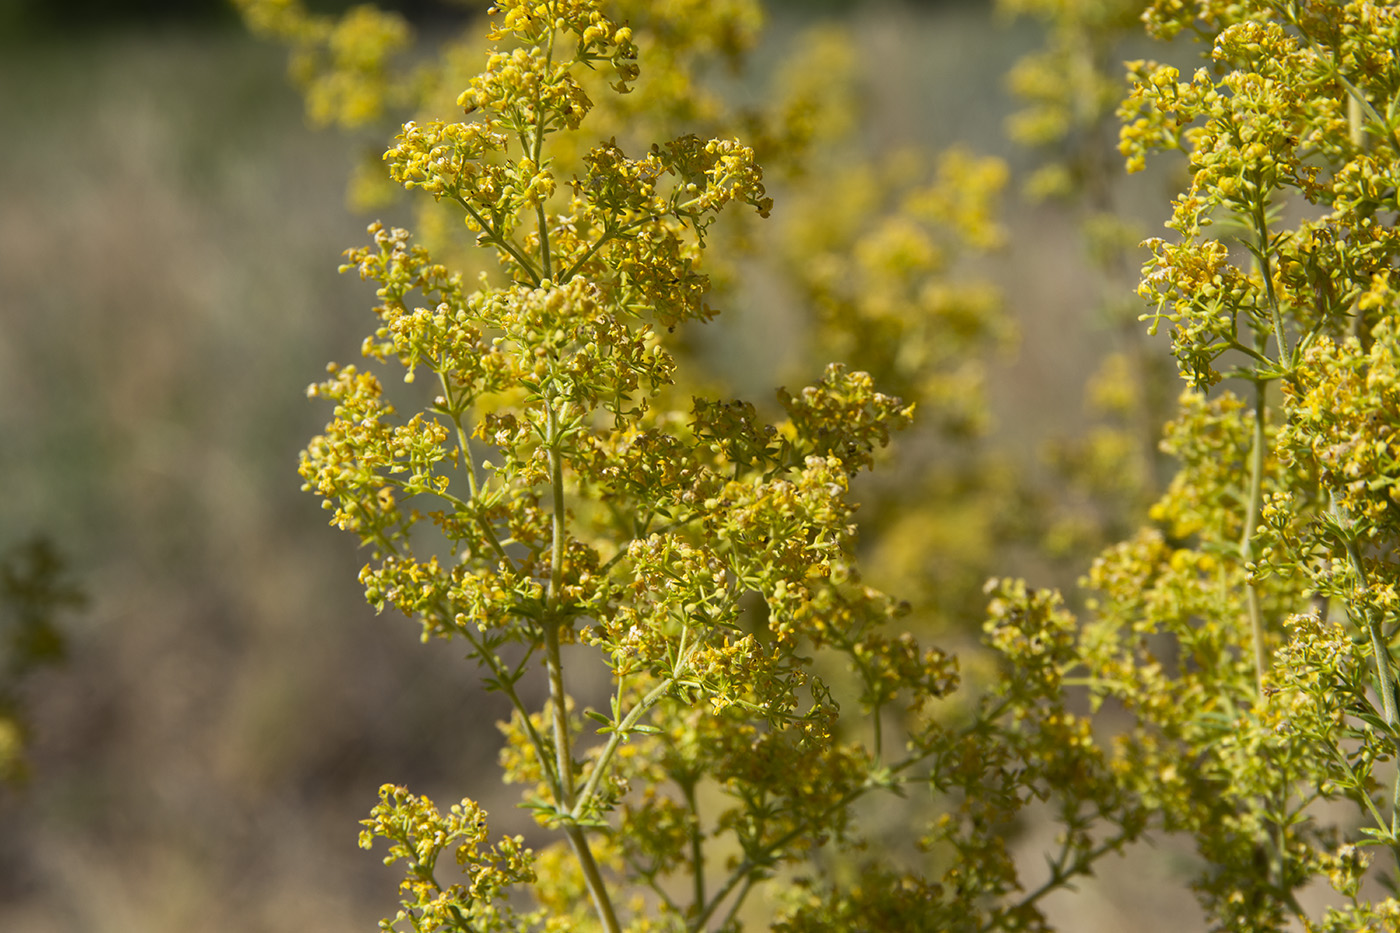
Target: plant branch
1261 230
619 734
494 236
1251 520
593 878
744 872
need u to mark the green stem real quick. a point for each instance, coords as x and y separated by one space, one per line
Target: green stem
608 235
473 483
743 873
554 615
1249 351
618 736
598 244
697 849
558 699
593 878
536 154
1256 460
738 902
1060 874
1251 520
494 236
1261 229
879 749
1357 132
1385 686
507 682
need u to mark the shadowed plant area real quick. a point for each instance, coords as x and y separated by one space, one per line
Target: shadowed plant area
705 396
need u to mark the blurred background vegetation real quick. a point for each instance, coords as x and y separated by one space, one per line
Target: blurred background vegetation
228 704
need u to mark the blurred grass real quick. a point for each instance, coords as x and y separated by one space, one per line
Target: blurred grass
170 235
168 288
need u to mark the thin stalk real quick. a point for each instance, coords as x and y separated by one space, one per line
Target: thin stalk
507 682
1256 465
1385 686
879 750
697 848
607 236
619 734
1060 874
593 877
535 156
1251 520
598 244
564 793
473 482
613 561
558 698
743 873
1261 229
1357 131
463 443
494 236
738 902
1280 857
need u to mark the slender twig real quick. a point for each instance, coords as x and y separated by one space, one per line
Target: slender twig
697 847
1060 874
536 155
743 873
598 244
1385 686
738 902
507 681
554 617
494 236
619 734
1251 520
1261 229
593 878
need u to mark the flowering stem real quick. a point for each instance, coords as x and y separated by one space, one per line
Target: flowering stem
1251 519
494 236
536 156
755 862
473 483
1062 869
619 734
564 792
1262 252
697 849
1385 686
593 877
554 620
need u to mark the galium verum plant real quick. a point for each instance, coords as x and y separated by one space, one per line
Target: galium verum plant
1249 632
602 517
553 491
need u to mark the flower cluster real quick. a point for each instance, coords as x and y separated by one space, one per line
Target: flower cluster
419 834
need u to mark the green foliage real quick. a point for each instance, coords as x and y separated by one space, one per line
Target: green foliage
563 495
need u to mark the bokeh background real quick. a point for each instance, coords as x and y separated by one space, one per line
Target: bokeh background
170 229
